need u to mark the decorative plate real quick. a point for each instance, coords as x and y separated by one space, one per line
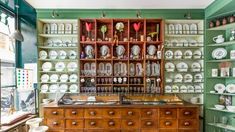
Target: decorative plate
64 78
138 69
151 50
170 67
44 88
188 78
186 29
193 43
132 69
167 89
178 29
61 28
174 42
219 87
108 69
183 89
93 69
175 88
195 67
104 50
120 50
178 54
67 43
183 42
45 78
73 78
63 88
46 28
190 88
49 42
230 88
72 54
198 77
178 78
68 28
42 54
219 53
89 50
75 28
101 69
62 54
169 54
57 43
197 54
46 66
72 66
53 54
59 66
54 28
188 54
182 67
54 78
123 69
193 29
135 50
53 88
73 88
171 29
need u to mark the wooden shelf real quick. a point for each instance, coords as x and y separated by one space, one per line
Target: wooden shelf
64 60
223 27
224 110
57 35
58 82
229 43
220 125
229 94
184 35
222 60
58 71
49 47
189 47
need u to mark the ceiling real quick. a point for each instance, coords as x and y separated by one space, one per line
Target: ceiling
120 4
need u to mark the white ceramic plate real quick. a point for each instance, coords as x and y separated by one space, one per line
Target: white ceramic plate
230 88
93 68
198 77
59 66
183 42
67 42
72 54
188 78
190 88
68 28
178 29
108 69
135 50
188 54
183 89
186 29
53 54
195 67
72 66
219 87
42 54
45 78
168 43
171 29
46 66
62 54
73 88
169 54
167 89
49 42
175 88
178 54
182 67
44 88
61 28
54 78
63 88
193 43
170 67
64 78
54 28
57 43
132 69
138 69
151 49
46 28
219 53
178 78
73 78
53 88
197 54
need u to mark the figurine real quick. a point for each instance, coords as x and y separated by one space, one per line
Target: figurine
82 55
115 38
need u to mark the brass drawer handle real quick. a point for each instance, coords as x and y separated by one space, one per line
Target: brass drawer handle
167 123
74 123
149 123
92 113
168 113
130 113
55 113
111 112
130 123
111 123
92 123
74 112
55 123
149 113
187 113
186 123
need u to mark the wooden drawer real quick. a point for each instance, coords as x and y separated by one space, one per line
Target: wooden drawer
188 123
111 123
168 113
74 124
148 130
55 123
93 130
74 130
186 113
111 130
168 123
149 113
130 113
55 131
74 113
188 130
168 130
129 130
111 113
93 113
130 124
149 123
93 123
53 113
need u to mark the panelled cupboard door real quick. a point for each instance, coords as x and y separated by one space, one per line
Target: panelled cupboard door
74 113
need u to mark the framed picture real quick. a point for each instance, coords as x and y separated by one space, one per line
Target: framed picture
27 100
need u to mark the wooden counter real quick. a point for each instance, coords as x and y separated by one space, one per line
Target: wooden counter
122 118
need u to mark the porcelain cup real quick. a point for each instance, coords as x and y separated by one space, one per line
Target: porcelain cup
218 39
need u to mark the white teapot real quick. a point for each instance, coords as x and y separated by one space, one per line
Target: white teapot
218 39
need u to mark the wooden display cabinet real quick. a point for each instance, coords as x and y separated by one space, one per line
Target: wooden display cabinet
120 58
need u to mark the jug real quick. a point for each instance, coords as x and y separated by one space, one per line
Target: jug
218 39
33 123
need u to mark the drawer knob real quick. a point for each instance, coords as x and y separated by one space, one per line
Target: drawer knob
186 123
55 123
187 113
130 113
149 123
74 112
167 123
92 123
168 113
130 123
74 123
111 123
149 113
92 113
111 112
54 112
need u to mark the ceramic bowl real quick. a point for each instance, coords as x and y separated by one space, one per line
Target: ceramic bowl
219 107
